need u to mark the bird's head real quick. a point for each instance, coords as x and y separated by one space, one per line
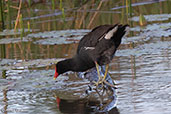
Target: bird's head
63 66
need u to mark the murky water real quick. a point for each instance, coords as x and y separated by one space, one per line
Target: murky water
141 67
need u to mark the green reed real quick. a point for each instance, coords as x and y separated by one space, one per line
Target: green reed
53 4
4 74
3 51
129 7
60 5
28 26
62 10
63 13
142 20
21 26
29 3
2 14
9 14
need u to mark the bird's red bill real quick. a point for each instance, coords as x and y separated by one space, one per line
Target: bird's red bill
56 73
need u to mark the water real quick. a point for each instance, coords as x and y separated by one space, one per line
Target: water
141 67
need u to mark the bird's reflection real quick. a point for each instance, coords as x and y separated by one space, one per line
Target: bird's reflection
104 102
80 107
107 91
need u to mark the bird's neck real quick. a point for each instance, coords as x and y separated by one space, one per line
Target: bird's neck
65 65
72 64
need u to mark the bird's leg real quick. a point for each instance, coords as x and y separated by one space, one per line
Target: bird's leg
106 71
97 67
99 76
104 78
101 80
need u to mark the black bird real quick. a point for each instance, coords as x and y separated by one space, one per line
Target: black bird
95 48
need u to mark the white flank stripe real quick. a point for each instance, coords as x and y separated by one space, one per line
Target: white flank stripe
86 48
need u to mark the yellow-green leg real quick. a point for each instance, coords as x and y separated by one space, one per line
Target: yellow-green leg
106 71
99 76
101 79
97 67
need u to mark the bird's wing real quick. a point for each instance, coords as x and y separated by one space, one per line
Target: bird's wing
100 41
90 40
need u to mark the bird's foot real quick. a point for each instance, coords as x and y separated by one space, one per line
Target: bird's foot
102 79
109 84
99 82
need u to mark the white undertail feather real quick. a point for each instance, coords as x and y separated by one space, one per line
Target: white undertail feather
126 31
111 32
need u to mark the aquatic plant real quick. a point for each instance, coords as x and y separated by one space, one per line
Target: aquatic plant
1 13
142 20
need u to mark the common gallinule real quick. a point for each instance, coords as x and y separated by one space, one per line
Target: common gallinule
95 48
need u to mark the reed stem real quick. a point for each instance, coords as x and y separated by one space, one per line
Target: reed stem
2 14
9 14
28 25
53 4
21 26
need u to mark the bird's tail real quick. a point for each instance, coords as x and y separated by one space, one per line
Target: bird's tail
117 32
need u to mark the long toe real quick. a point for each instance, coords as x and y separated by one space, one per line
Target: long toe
99 83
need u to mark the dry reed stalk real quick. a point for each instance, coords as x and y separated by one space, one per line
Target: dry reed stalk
18 15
